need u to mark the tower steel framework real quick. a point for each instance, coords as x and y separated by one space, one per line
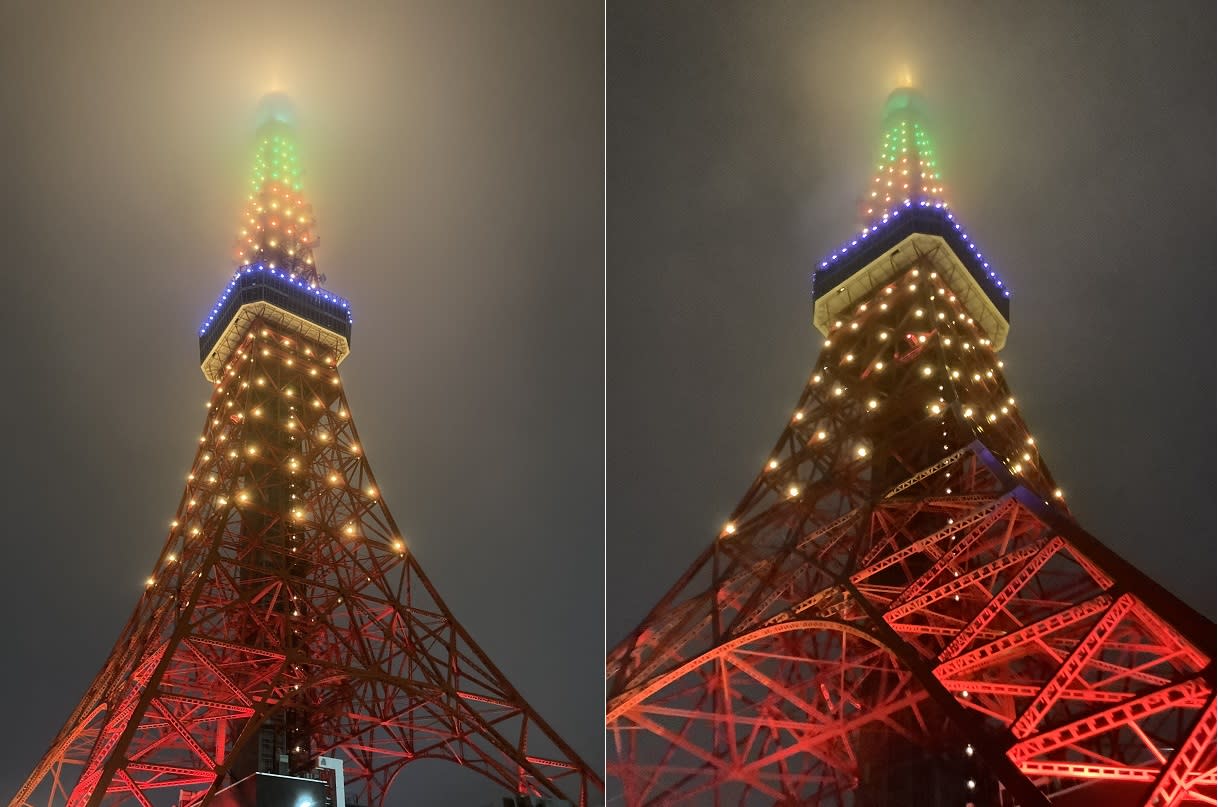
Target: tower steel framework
287 619
903 581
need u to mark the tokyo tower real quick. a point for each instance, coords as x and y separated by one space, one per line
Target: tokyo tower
901 609
288 648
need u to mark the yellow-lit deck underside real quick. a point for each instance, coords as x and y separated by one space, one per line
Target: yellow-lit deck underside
937 257
234 332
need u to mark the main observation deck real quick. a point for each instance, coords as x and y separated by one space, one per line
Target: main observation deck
258 292
884 251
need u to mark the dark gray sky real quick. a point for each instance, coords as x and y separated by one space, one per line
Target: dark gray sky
453 154
1076 142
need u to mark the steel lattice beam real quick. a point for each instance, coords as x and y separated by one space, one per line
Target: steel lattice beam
285 596
905 509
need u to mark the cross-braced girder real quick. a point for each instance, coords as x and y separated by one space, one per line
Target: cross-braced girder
286 596
903 564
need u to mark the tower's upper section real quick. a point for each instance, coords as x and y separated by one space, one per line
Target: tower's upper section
277 229
907 221
907 168
276 278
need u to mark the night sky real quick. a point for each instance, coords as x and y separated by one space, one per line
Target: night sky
1077 144
453 154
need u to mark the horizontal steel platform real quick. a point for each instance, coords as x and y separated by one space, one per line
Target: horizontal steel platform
259 292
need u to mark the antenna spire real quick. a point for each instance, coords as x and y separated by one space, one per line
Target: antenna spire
278 229
907 168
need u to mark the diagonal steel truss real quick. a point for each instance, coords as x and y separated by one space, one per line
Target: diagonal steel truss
285 594
903 565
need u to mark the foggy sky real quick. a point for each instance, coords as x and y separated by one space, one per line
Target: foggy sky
1077 144
453 155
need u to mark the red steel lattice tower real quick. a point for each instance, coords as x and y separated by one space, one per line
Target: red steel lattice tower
901 609
286 620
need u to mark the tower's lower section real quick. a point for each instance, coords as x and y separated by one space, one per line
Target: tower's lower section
902 611
287 624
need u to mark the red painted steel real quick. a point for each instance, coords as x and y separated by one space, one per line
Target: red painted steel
286 594
902 565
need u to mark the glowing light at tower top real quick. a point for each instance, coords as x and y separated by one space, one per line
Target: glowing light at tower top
906 198
907 170
278 229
